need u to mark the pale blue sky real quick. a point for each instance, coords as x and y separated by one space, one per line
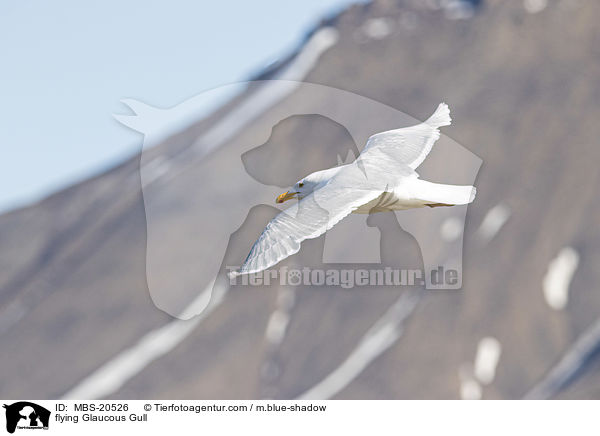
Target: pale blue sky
66 64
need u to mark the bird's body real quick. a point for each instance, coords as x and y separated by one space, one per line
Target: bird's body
381 179
414 193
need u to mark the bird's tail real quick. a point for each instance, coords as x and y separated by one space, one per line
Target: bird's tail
437 193
441 116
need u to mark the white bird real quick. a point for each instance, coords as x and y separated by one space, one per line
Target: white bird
381 179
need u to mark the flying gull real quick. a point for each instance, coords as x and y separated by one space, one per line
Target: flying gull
381 179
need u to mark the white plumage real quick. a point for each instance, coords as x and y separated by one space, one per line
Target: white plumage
381 179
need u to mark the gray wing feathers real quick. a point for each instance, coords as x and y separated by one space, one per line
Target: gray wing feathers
409 145
305 220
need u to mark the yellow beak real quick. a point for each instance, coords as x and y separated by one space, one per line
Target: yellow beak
285 196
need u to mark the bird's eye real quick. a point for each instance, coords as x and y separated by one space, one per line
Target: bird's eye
300 184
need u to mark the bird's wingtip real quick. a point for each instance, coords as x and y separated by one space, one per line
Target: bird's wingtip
441 116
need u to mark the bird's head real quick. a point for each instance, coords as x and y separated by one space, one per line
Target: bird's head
301 189
308 185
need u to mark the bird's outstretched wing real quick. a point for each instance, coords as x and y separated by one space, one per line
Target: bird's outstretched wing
410 145
311 217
